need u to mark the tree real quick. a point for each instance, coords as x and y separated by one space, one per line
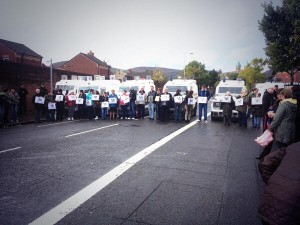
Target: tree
159 78
232 76
252 73
281 28
196 70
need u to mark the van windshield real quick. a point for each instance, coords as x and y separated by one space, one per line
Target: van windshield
126 88
87 88
65 87
183 89
232 90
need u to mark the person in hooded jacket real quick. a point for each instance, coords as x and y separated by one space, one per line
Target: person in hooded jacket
283 124
227 110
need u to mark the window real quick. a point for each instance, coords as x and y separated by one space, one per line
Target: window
5 57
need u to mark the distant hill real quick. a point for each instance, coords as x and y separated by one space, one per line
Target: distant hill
169 72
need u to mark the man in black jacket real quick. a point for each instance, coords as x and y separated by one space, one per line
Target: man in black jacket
267 101
132 96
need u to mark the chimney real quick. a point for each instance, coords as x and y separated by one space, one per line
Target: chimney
90 53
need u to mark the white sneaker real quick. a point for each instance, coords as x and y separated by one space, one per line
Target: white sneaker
69 118
205 121
72 118
96 117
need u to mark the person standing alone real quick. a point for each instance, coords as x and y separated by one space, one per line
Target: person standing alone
203 106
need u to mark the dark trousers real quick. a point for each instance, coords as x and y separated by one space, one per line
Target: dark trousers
124 111
141 110
60 110
242 119
227 120
22 106
164 113
266 150
90 112
50 115
37 116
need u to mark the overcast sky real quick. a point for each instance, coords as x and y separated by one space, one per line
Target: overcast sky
131 33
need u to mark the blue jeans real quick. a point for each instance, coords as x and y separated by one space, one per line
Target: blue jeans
132 109
202 106
104 113
256 121
50 115
151 110
13 112
177 111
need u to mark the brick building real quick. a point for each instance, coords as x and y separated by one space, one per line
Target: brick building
286 78
86 64
19 53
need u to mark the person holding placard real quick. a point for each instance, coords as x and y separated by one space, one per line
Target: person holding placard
60 106
70 105
203 106
151 102
132 96
242 109
227 109
104 105
256 111
157 104
97 105
124 101
165 102
140 101
178 105
81 109
90 105
188 107
113 105
51 107
38 106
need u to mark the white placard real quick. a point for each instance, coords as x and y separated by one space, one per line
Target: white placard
88 102
239 102
104 104
157 98
39 100
125 99
191 101
72 97
79 101
178 99
112 100
95 97
51 105
165 98
59 98
140 98
150 98
202 99
226 99
256 101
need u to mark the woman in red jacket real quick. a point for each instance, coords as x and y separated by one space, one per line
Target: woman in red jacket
71 105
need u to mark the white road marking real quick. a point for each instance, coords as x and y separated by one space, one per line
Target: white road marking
63 209
11 149
52 124
100 128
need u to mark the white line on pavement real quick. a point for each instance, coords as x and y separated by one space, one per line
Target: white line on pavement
52 124
11 149
63 209
100 128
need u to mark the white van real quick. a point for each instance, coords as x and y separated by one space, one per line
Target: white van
136 85
234 87
262 87
99 85
183 86
68 85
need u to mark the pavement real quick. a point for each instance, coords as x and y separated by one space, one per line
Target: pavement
206 175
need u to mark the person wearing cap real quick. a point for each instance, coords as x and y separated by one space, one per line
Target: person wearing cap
227 109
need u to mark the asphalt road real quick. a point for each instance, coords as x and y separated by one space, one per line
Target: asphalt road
205 175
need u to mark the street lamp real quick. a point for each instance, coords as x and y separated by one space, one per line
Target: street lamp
191 53
51 85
